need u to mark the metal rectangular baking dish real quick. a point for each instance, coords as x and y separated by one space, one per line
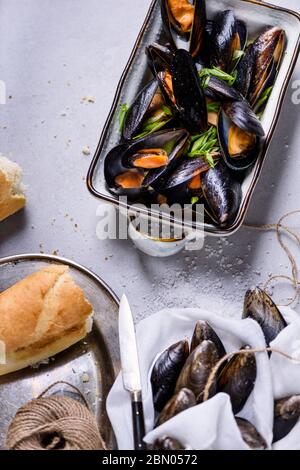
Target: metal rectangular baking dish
257 16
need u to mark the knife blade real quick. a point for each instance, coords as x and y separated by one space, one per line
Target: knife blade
131 371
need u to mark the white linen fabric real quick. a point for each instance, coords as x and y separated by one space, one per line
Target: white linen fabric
210 425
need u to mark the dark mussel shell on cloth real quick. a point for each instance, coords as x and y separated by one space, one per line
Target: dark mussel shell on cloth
222 193
167 443
250 435
166 371
197 368
237 379
259 306
203 331
182 400
286 416
120 163
188 20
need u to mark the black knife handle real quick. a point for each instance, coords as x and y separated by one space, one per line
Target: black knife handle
138 425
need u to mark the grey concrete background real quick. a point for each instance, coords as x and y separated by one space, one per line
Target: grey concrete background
54 52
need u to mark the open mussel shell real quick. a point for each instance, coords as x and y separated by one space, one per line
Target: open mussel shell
186 19
197 368
250 435
114 170
148 100
286 415
268 50
222 193
189 95
159 60
258 67
167 443
240 148
240 113
166 371
259 306
185 172
175 145
228 35
202 332
219 90
120 161
237 379
182 400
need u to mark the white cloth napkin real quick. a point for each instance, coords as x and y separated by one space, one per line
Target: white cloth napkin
210 425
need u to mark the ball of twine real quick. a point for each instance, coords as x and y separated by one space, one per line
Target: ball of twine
54 423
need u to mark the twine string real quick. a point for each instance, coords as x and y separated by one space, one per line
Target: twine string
55 422
282 229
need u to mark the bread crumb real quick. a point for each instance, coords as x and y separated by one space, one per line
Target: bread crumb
86 150
63 113
88 99
85 377
55 252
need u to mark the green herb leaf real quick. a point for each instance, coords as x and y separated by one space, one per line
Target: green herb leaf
213 107
194 200
205 145
155 122
205 74
238 54
122 115
264 97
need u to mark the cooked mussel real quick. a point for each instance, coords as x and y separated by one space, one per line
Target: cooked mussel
189 95
286 415
159 60
228 35
237 379
182 400
240 134
222 193
167 443
250 435
188 172
197 368
261 308
130 168
203 331
166 371
188 20
258 68
148 113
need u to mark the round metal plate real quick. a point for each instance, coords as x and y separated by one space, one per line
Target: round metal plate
91 365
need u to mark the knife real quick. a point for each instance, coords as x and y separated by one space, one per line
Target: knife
131 371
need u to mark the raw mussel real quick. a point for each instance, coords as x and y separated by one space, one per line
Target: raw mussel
182 400
237 379
286 415
167 443
203 331
197 369
257 70
250 435
261 308
222 193
228 36
131 167
166 371
188 20
148 113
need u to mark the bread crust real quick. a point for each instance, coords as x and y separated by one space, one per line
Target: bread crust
9 202
40 316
